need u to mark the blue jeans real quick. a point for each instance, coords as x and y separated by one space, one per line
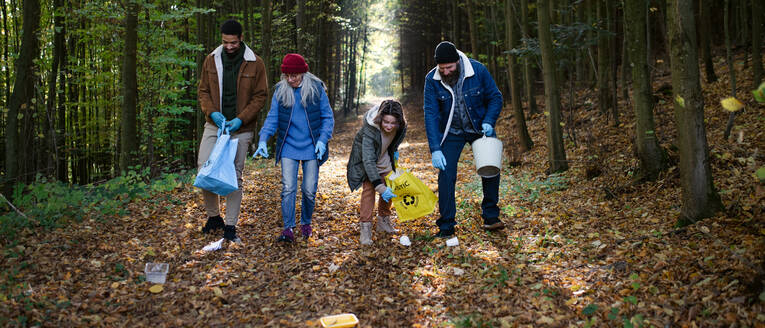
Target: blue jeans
452 148
289 190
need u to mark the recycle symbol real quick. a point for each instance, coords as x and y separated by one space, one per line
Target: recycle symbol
409 200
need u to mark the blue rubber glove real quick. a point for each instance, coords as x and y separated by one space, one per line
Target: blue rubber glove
234 125
439 161
395 156
218 119
488 130
262 150
388 194
320 149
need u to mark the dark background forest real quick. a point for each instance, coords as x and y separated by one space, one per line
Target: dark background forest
99 114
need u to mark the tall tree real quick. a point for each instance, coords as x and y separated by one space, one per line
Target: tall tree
528 72
129 138
652 157
524 140
54 120
706 30
604 66
473 28
757 41
700 200
300 31
23 89
557 154
731 66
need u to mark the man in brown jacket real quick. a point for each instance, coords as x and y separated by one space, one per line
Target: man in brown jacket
232 91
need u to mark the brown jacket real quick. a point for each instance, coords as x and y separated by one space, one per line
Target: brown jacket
252 87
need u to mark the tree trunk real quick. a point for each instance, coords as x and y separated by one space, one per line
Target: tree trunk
23 91
266 46
731 66
557 154
473 32
652 157
524 140
706 47
700 200
757 41
528 71
301 28
58 50
604 93
129 145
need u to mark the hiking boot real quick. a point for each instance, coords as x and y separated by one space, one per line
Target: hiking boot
213 223
384 224
491 224
445 233
229 233
306 230
287 236
366 233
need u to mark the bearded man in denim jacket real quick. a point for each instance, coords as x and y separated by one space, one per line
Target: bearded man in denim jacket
461 103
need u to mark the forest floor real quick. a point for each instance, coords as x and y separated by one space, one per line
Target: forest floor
585 247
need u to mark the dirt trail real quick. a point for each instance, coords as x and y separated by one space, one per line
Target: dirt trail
569 253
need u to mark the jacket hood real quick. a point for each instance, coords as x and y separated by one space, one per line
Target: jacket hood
369 117
466 64
249 55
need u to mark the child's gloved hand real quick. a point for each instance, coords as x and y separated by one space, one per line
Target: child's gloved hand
388 194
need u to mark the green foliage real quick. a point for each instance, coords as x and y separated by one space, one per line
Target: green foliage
589 310
530 190
567 40
50 204
471 321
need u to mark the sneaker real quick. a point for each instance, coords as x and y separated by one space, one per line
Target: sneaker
492 224
445 233
287 236
306 230
229 233
213 223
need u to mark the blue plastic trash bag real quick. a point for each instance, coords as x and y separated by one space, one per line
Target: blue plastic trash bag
218 174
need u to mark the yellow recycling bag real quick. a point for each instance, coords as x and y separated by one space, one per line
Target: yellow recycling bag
413 198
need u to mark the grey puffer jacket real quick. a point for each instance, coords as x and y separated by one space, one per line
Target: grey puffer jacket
362 164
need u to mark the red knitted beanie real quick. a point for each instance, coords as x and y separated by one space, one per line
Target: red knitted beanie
294 64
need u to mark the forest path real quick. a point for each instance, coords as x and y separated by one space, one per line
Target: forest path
576 247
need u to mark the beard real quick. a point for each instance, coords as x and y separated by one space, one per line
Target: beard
451 79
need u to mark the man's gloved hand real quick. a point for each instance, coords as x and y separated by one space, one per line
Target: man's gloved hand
439 161
320 149
395 156
388 194
218 119
234 125
488 130
262 150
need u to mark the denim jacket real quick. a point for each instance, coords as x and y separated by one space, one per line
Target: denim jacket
482 98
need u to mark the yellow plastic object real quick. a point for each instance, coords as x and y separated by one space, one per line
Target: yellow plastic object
339 321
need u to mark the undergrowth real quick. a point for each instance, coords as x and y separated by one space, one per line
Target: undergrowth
50 204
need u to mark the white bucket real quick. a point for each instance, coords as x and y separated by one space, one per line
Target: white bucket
487 155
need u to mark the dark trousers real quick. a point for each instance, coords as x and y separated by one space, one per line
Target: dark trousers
447 179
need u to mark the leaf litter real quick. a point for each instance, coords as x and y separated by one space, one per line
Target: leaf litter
579 250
